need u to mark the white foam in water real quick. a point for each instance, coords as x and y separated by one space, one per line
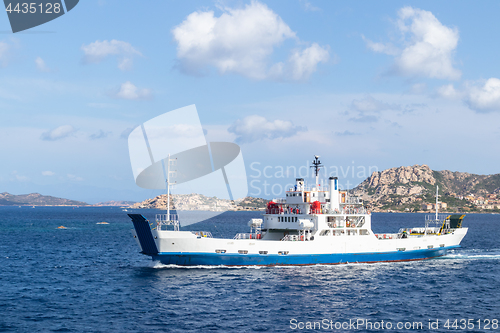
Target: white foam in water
159 265
474 254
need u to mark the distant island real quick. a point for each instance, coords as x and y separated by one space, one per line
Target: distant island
179 201
115 203
400 189
36 199
200 202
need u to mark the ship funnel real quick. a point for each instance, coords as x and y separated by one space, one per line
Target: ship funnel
299 184
334 193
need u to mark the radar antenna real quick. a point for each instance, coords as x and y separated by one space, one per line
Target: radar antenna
316 165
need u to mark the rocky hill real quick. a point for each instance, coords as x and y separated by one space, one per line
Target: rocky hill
36 199
201 202
407 188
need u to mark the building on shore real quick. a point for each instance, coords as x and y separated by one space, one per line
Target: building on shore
441 205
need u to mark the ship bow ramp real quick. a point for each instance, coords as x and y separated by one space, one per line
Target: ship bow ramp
144 234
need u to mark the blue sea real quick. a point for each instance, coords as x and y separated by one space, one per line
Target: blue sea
91 277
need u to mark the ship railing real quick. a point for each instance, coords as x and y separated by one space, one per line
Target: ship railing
284 211
166 220
353 224
432 217
387 236
320 188
289 238
294 238
166 217
202 234
421 230
274 211
354 210
405 230
353 201
431 220
248 236
358 222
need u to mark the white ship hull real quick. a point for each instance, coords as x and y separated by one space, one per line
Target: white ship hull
185 248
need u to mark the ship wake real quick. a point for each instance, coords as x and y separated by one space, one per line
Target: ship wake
474 254
159 265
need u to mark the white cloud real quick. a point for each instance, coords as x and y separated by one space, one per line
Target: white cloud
448 91
75 178
418 88
308 6
184 130
58 133
129 91
125 64
99 135
18 177
41 66
427 49
97 51
480 96
388 48
432 45
346 133
4 53
241 41
364 118
368 109
254 128
485 98
48 173
304 62
370 104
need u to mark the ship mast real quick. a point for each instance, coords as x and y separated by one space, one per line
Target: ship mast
167 179
168 187
316 165
437 202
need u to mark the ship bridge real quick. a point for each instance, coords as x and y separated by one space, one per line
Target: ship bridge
307 210
326 199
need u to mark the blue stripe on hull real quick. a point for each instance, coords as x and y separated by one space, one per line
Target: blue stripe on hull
233 259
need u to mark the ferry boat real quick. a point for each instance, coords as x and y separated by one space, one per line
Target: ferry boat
311 225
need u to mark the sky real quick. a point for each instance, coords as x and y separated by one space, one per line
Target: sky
365 85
